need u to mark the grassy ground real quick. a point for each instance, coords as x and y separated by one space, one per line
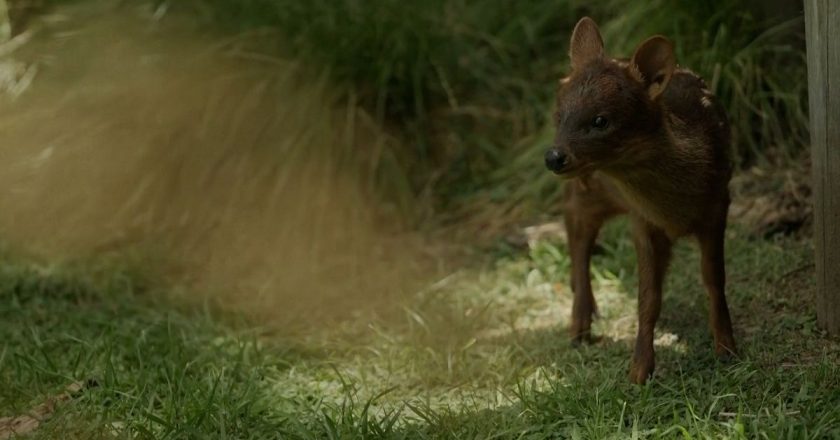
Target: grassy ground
480 354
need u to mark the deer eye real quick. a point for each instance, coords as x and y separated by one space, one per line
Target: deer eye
600 122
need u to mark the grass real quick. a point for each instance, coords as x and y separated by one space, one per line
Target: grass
735 51
480 354
468 89
455 82
463 92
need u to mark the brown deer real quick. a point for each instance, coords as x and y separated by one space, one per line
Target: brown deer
646 138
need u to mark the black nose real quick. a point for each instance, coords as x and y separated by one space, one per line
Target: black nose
555 160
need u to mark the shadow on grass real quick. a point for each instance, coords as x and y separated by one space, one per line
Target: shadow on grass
783 385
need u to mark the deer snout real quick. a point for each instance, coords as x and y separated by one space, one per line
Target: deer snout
555 160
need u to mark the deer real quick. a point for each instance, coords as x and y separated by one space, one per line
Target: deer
645 138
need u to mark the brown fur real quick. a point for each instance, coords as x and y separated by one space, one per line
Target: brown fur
662 159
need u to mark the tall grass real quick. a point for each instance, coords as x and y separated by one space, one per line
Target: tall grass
457 81
238 178
756 66
467 86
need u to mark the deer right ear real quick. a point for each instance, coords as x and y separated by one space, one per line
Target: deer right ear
586 44
653 63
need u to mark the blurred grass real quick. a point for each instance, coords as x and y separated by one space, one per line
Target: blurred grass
454 82
241 178
466 87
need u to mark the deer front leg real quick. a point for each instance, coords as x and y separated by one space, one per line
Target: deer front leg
653 252
714 279
582 233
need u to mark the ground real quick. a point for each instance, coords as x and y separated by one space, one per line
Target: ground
481 353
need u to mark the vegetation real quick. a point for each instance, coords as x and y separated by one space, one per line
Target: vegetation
482 354
468 88
107 347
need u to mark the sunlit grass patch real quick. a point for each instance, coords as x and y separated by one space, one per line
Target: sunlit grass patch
483 352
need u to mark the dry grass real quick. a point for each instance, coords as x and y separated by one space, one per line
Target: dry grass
231 174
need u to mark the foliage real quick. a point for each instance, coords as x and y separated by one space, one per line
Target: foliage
467 87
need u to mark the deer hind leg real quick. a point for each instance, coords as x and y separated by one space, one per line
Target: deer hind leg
714 279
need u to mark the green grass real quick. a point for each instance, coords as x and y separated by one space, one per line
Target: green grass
467 88
479 354
464 91
748 62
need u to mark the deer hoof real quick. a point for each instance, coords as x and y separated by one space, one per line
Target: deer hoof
640 372
584 338
725 355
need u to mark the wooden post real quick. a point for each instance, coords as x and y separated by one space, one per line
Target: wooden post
822 23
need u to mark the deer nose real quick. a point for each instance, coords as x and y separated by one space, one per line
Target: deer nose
555 160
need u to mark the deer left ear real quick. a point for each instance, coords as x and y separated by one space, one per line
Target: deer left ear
653 63
586 44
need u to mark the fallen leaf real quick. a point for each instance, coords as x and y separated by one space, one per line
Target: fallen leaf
26 423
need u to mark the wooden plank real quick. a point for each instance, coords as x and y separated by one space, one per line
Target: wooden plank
822 21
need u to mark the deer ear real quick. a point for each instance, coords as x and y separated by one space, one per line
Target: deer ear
653 63
586 44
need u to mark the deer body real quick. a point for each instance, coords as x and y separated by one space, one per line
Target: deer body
644 138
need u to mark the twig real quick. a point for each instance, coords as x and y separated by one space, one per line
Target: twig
794 271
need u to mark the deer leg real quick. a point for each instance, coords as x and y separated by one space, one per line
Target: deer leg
653 251
714 279
582 232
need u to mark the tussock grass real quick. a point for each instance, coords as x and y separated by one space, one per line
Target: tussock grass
454 81
240 177
468 87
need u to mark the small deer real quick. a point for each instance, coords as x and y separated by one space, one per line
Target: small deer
643 137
